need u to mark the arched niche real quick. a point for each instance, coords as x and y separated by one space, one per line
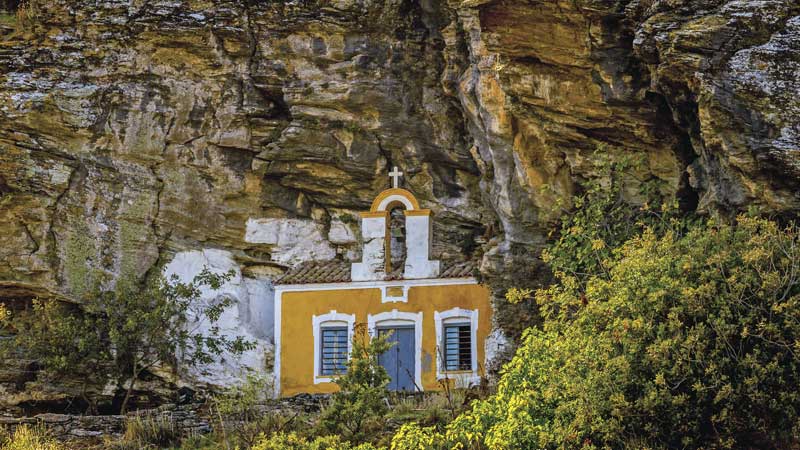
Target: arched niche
391 197
397 250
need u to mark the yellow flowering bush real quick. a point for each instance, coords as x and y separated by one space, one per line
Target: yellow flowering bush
661 330
291 441
414 437
689 338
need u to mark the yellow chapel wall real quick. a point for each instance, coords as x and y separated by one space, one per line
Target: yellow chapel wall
297 340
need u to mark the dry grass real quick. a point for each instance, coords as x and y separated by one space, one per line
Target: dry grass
147 433
29 438
26 17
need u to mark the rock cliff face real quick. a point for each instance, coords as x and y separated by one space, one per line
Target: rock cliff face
132 131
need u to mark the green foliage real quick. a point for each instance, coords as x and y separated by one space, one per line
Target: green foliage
242 417
245 418
603 219
518 295
160 322
241 401
8 19
412 436
690 340
63 340
28 438
202 442
432 408
292 441
659 333
123 333
359 407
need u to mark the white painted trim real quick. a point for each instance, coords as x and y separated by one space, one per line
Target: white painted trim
318 322
395 198
395 318
277 333
386 299
439 319
374 284
394 323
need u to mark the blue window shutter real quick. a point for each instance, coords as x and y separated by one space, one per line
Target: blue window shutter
334 350
457 347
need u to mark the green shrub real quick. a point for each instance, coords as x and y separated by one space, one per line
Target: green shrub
412 436
602 221
243 416
62 339
660 332
29 438
281 441
122 333
690 339
357 411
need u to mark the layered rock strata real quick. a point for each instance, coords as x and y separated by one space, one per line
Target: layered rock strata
136 132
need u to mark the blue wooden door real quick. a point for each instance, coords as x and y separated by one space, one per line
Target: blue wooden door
400 358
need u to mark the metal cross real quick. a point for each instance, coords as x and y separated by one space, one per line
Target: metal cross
395 174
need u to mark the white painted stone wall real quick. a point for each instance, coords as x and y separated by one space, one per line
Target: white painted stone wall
373 263
293 240
418 242
341 233
496 346
251 317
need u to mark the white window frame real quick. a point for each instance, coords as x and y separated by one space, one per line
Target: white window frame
385 298
398 318
336 319
457 315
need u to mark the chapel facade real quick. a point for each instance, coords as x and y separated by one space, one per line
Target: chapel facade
437 315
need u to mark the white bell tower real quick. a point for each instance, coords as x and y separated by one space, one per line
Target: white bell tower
375 262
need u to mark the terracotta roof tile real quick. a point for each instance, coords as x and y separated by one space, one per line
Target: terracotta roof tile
335 271
457 270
